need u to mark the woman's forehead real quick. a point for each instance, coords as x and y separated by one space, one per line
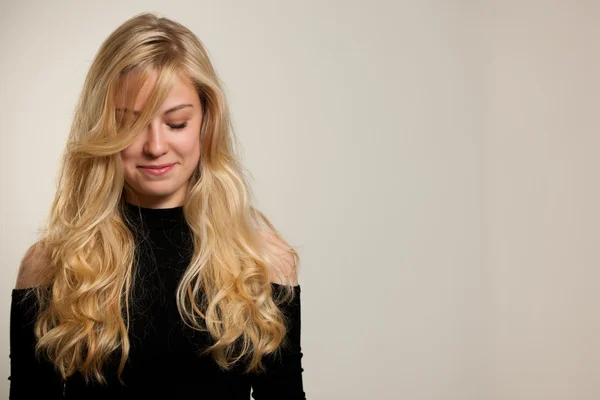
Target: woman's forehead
129 85
181 90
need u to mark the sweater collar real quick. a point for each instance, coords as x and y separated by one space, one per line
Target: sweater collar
154 218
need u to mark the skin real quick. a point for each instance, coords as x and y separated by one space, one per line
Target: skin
164 141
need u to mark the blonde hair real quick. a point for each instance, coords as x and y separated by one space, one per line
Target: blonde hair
226 290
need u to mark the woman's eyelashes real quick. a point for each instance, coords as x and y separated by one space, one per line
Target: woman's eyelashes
178 126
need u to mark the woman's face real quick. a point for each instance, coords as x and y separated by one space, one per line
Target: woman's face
171 139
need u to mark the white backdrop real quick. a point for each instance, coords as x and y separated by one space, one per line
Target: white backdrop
391 142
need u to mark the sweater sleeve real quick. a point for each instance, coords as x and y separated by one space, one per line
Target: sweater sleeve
30 377
282 378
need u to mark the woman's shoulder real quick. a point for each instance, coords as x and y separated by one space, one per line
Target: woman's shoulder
33 267
282 258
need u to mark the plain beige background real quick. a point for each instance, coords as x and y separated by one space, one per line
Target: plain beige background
434 163
542 197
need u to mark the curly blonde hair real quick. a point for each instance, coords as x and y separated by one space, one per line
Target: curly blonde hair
89 249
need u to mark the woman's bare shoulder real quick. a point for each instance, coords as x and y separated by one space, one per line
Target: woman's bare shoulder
284 262
33 267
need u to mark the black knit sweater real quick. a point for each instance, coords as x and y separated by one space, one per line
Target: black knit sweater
164 360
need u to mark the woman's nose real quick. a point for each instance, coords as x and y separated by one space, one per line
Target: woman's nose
156 143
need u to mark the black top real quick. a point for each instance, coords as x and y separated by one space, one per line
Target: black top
164 361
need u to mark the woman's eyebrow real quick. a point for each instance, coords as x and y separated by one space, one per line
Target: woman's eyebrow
170 110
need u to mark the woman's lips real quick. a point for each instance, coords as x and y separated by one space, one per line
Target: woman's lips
158 169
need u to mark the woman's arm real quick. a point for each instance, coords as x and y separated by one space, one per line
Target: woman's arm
282 378
30 378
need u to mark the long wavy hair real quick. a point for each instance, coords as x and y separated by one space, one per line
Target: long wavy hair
90 250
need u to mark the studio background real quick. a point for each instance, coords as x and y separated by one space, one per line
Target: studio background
433 162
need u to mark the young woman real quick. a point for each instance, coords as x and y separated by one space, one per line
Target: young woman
154 276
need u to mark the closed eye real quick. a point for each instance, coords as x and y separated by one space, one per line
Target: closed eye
178 126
